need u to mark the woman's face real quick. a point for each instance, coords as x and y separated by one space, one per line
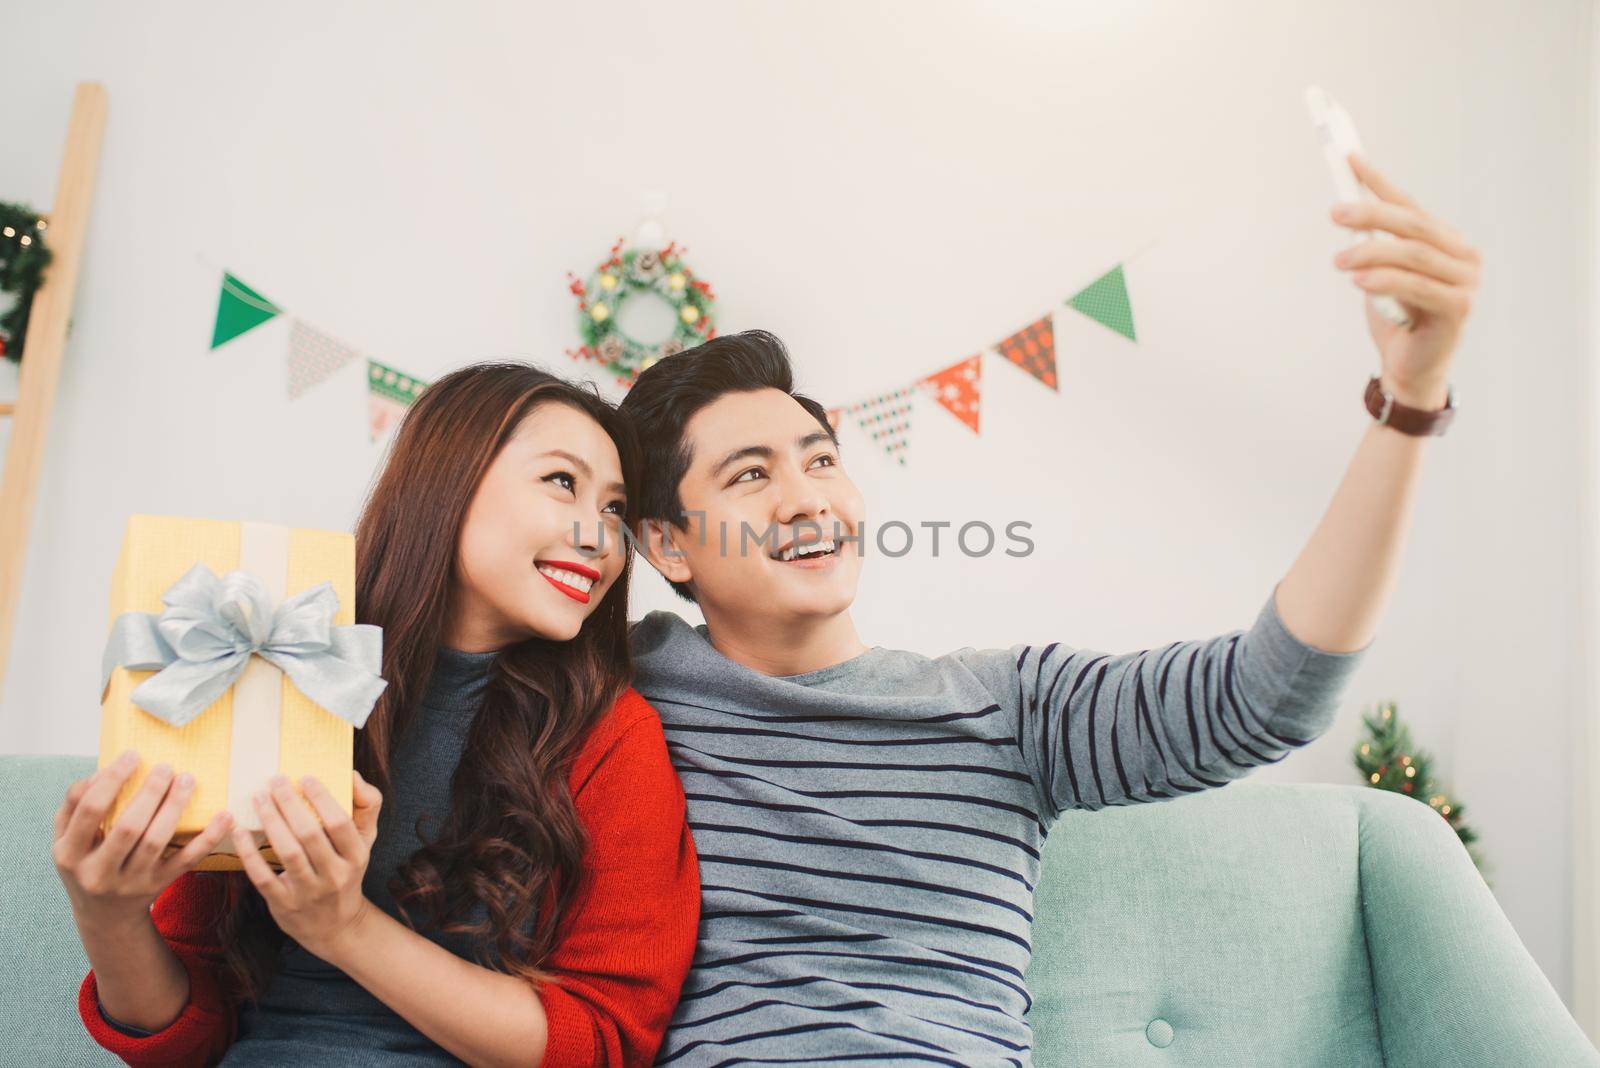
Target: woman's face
543 540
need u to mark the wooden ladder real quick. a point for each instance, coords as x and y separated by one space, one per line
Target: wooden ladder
43 345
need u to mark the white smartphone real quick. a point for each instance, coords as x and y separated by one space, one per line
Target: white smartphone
1339 139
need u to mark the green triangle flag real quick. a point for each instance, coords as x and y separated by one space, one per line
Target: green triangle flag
1105 300
389 394
239 308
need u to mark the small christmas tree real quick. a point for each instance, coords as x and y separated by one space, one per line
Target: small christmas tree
1388 760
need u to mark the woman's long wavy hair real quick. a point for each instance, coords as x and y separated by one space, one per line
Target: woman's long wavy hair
512 839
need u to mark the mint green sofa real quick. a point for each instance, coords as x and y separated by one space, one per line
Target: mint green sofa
1256 924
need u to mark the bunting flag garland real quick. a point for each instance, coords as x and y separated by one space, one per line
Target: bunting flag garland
959 387
887 420
1033 348
313 357
1105 300
389 394
240 309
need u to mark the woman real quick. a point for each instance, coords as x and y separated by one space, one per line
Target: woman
529 894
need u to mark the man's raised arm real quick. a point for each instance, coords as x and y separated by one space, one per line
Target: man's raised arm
1096 729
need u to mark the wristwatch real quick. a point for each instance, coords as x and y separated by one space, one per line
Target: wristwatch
1415 421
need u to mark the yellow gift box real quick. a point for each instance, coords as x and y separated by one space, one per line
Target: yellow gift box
262 723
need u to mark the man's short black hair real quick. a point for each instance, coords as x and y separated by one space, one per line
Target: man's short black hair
667 395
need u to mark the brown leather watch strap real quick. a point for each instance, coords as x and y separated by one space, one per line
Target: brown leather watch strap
1418 422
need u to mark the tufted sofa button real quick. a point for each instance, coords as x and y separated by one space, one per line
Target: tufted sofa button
1159 1032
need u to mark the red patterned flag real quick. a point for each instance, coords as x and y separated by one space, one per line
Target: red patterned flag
958 388
1033 348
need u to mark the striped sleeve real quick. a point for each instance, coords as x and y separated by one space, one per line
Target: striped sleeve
1096 729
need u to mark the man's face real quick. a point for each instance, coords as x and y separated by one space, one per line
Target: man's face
764 477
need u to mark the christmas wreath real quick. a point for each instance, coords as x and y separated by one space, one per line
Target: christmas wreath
23 258
624 275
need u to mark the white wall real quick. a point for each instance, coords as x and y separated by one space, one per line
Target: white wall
1586 753
890 187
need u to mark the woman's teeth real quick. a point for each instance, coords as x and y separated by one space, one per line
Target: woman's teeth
815 548
567 578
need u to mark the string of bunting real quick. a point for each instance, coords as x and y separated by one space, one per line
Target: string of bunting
314 356
958 388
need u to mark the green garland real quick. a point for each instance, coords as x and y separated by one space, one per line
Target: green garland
624 274
1388 760
23 258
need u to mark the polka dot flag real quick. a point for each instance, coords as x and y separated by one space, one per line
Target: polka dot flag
887 420
957 387
1105 300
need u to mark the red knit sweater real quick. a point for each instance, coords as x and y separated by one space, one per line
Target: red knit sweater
618 969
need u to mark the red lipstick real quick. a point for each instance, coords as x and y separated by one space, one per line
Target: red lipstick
581 596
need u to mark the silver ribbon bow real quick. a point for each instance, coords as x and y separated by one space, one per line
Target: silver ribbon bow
201 644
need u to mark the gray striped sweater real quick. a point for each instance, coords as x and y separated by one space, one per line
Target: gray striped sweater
869 833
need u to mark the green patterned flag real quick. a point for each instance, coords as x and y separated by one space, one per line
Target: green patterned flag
239 309
389 394
1105 300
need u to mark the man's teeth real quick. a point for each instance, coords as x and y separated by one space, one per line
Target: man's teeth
810 549
567 578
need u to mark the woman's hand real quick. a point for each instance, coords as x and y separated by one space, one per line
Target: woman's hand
119 874
1431 269
317 899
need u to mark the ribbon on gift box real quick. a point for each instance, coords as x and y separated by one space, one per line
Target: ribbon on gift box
239 631
201 644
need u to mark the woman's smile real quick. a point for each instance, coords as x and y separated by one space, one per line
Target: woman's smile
574 580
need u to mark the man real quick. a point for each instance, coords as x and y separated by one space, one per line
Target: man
869 820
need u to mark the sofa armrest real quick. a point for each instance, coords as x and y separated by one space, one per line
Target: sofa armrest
1451 979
